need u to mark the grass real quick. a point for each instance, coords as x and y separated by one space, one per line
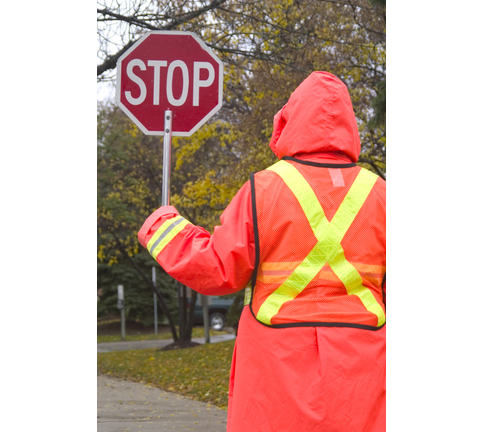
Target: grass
197 332
201 373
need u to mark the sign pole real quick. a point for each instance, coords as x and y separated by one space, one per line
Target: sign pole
120 305
155 304
140 93
168 130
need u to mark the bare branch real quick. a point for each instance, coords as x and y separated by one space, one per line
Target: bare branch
130 20
110 62
373 164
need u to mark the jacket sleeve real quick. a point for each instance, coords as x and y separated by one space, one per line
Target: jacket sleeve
217 264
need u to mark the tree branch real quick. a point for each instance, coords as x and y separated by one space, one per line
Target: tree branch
130 20
370 162
110 62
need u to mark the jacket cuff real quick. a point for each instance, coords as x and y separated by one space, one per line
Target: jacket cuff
151 220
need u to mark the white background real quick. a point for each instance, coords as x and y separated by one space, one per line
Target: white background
48 217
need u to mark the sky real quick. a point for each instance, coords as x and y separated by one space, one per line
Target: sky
106 91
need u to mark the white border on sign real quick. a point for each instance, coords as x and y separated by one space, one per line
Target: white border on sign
204 119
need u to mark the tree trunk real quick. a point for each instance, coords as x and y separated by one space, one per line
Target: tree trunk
191 312
164 307
186 313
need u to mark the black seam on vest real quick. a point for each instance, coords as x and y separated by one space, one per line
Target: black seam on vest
383 293
321 165
257 240
323 324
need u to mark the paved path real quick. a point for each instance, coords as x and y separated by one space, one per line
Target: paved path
160 343
131 406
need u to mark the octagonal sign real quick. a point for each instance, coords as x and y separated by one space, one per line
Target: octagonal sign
169 70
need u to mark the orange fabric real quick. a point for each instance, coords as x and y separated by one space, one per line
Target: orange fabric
302 379
318 117
325 299
307 379
208 263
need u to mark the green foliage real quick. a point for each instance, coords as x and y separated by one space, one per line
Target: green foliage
129 180
139 303
201 373
381 3
379 105
203 181
290 39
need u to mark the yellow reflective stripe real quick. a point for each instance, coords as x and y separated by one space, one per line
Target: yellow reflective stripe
248 296
276 272
272 272
289 266
273 278
304 194
328 248
159 232
353 201
352 281
327 275
370 273
374 270
165 233
293 285
342 220
278 279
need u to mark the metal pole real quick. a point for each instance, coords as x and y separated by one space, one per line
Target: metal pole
168 130
206 318
155 304
123 325
120 295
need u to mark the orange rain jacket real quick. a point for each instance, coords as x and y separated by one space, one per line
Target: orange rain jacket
303 379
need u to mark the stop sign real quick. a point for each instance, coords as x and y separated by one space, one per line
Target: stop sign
169 70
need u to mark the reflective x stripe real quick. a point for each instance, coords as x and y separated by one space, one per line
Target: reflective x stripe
328 249
165 233
271 272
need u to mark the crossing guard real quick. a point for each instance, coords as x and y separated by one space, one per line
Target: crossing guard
309 233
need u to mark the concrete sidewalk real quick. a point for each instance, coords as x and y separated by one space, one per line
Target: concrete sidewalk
131 406
160 343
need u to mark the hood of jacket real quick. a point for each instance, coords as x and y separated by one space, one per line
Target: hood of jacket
318 117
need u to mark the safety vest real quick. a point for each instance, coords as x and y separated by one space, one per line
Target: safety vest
320 244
